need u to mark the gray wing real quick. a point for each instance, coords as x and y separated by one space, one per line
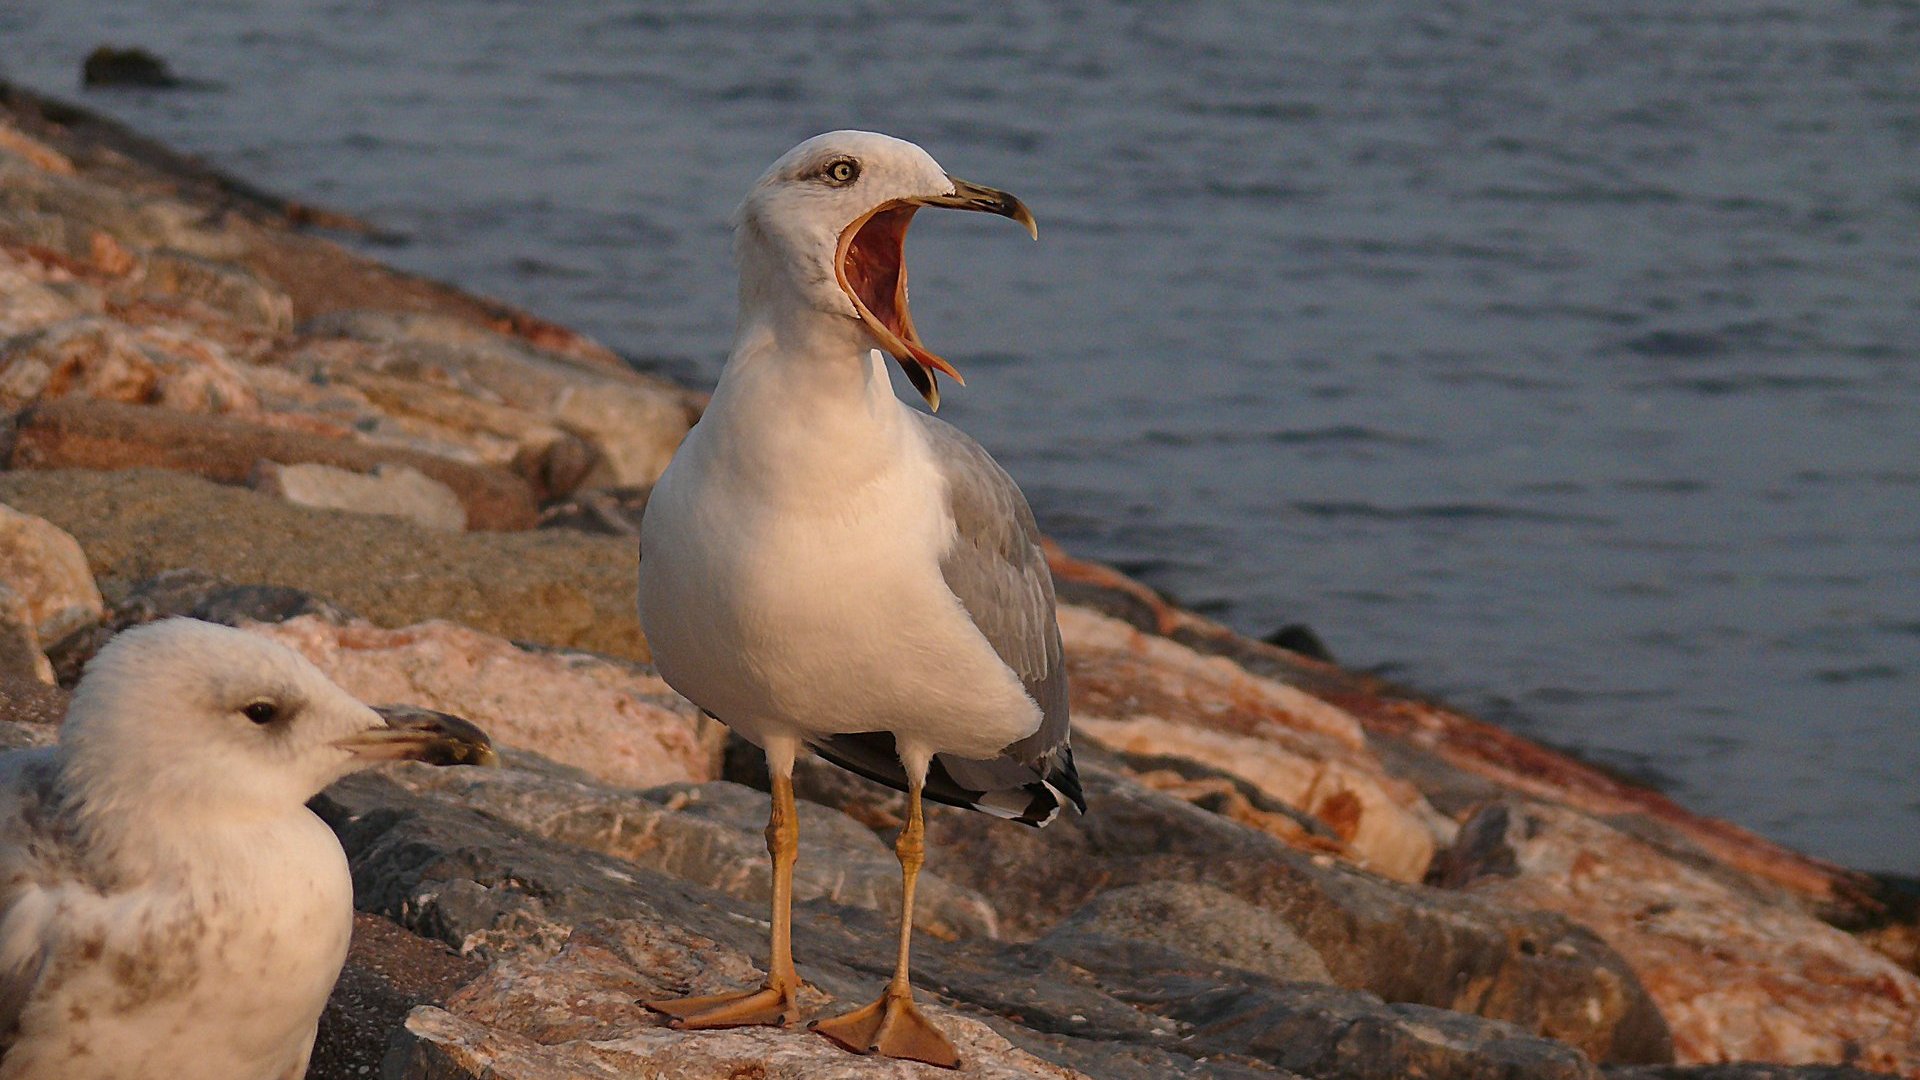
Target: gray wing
999 573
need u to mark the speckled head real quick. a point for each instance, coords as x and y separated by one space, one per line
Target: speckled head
183 709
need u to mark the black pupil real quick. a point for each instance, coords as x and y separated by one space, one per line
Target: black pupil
261 712
842 171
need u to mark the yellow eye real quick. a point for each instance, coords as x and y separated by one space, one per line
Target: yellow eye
842 171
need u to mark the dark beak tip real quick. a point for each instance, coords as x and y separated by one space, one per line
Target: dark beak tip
446 739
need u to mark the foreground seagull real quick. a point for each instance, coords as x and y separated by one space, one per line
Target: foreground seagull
822 564
168 904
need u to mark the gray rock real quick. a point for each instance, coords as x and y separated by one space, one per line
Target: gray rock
388 973
508 896
1481 848
1406 944
1204 923
711 834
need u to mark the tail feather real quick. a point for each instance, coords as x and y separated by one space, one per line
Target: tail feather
1029 794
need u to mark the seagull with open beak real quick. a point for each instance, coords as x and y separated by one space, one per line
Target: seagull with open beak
823 565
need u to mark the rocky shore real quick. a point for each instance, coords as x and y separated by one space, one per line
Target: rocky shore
210 408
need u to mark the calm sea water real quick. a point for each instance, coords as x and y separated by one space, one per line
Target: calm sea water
1563 362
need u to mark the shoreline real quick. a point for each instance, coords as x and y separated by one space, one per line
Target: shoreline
226 314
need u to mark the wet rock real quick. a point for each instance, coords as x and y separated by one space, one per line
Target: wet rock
108 65
388 973
1484 846
612 721
47 571
549 587
87 434
390 490
1301 638
1740 972
1204 923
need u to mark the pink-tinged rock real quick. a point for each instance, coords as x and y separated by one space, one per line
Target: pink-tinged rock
106 435
1466 747
45 568
1143 694
603 718
1741 972
83 357
633 421
28 302
197 374
33 151
577 1014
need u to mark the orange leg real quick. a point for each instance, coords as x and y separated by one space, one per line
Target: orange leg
893 1026
774 1003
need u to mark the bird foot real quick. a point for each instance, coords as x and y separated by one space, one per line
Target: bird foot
773 1005
891 1027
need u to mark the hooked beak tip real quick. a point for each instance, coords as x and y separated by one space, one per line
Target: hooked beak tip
416 734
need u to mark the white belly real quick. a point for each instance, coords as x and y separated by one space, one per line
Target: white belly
820 615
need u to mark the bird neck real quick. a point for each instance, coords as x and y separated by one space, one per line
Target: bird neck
106 809
803 394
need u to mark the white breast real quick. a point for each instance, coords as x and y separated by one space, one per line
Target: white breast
799 590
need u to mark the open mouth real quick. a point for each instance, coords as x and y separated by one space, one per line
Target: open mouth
872 270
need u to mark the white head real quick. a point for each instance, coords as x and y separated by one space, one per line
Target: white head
830 219
197 714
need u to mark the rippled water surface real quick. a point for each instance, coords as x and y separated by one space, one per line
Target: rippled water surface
1565 363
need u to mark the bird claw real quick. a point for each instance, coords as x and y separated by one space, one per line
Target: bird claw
891 1027
771 1006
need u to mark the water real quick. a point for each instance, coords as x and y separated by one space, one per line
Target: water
1563 362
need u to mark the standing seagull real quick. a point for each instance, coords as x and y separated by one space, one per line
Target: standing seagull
168 904
824 565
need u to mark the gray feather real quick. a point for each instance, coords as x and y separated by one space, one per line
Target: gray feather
999 573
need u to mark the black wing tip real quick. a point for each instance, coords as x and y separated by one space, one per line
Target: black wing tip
1036 804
